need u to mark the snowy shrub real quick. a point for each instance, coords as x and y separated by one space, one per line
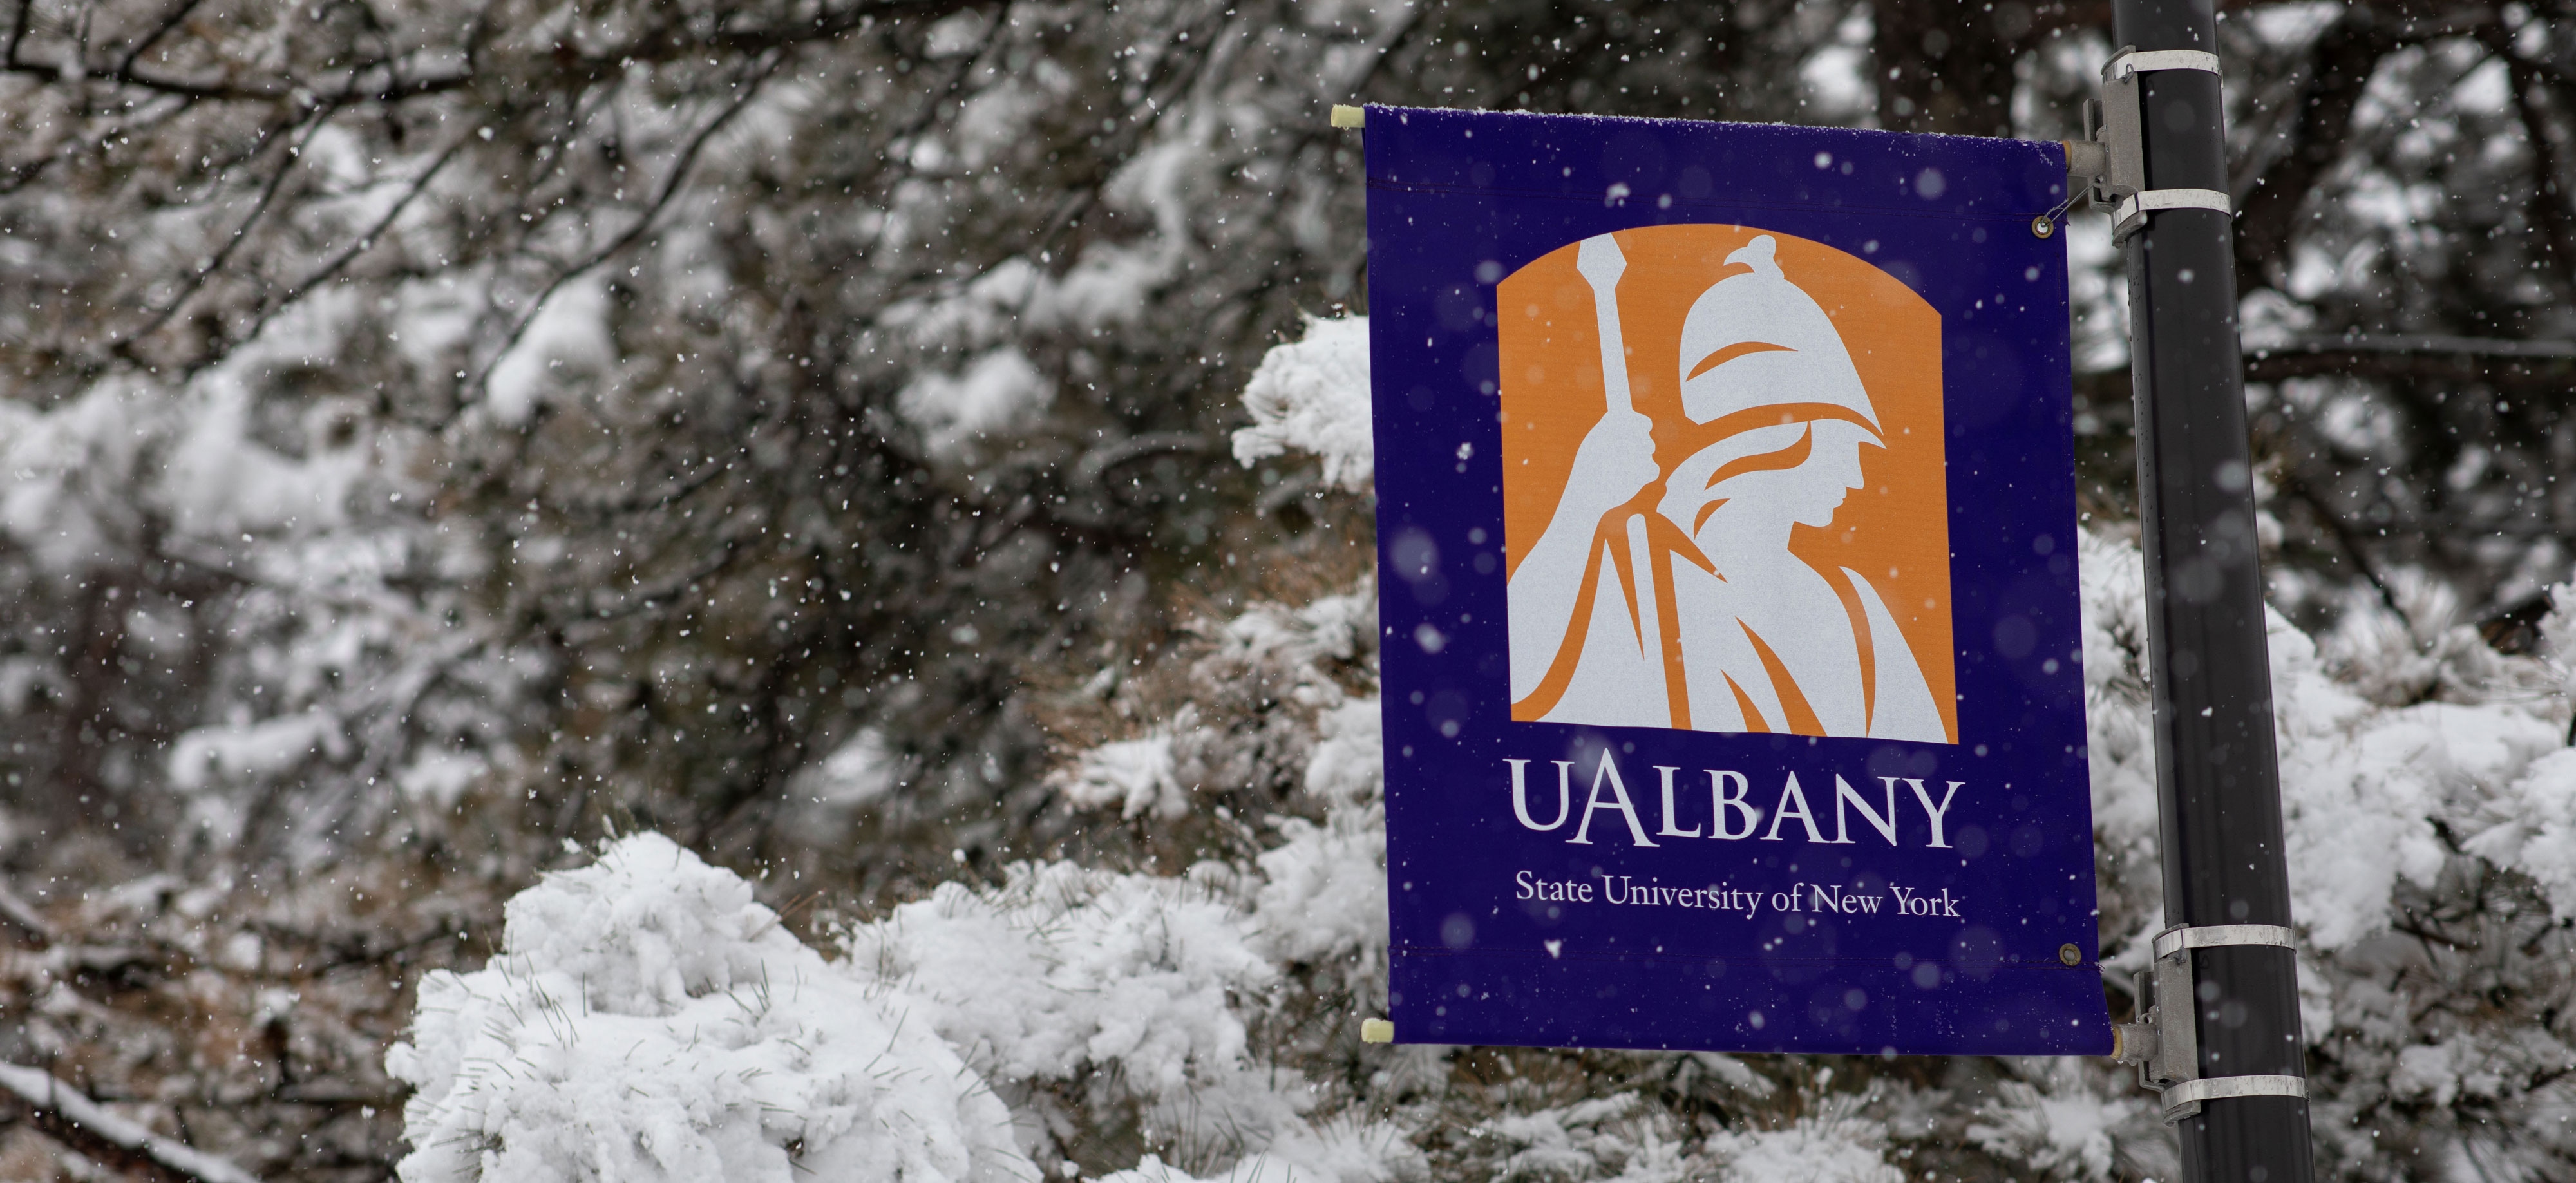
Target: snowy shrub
1194 1021
1583 1140
1233 726
1092 996
1836 1145
2053 1123
1323 895
646 1020
1063 968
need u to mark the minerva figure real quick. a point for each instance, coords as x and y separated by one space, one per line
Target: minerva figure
1672 599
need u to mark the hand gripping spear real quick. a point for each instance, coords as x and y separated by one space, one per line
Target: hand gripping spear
1601 264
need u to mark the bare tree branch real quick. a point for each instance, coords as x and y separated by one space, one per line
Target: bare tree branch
2501 363
2505 364
2548 207
70 1117
168 24
356 89
241 233
681 165
17 913
675 39
364 243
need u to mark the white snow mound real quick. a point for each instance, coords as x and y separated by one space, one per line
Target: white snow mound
647 1021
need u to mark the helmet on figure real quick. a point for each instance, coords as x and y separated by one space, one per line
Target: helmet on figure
1755 340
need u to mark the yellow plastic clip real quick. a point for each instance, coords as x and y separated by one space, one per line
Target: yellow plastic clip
1376 1031
1345 115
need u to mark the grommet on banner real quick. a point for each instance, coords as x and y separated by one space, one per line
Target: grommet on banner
1376 1031
2045 225
1345 115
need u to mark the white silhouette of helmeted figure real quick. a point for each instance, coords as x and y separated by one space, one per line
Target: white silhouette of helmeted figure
1686 608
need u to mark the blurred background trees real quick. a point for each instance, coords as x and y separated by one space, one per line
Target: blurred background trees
439 430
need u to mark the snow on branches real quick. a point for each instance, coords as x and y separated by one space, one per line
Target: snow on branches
1313 396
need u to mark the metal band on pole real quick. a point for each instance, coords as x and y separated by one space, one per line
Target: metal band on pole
2176 940
2184 1100
2223 1088
2133 210
2140 62
2218 783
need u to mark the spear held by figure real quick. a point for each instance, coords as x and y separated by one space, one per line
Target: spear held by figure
1601 263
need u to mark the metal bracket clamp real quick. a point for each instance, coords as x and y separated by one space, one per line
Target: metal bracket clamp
2165 1042
2116 122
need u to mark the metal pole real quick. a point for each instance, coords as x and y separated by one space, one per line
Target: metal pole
2217 773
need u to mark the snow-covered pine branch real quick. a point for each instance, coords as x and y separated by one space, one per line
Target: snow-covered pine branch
1312 396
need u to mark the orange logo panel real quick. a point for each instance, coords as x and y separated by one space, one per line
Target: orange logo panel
1735 518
